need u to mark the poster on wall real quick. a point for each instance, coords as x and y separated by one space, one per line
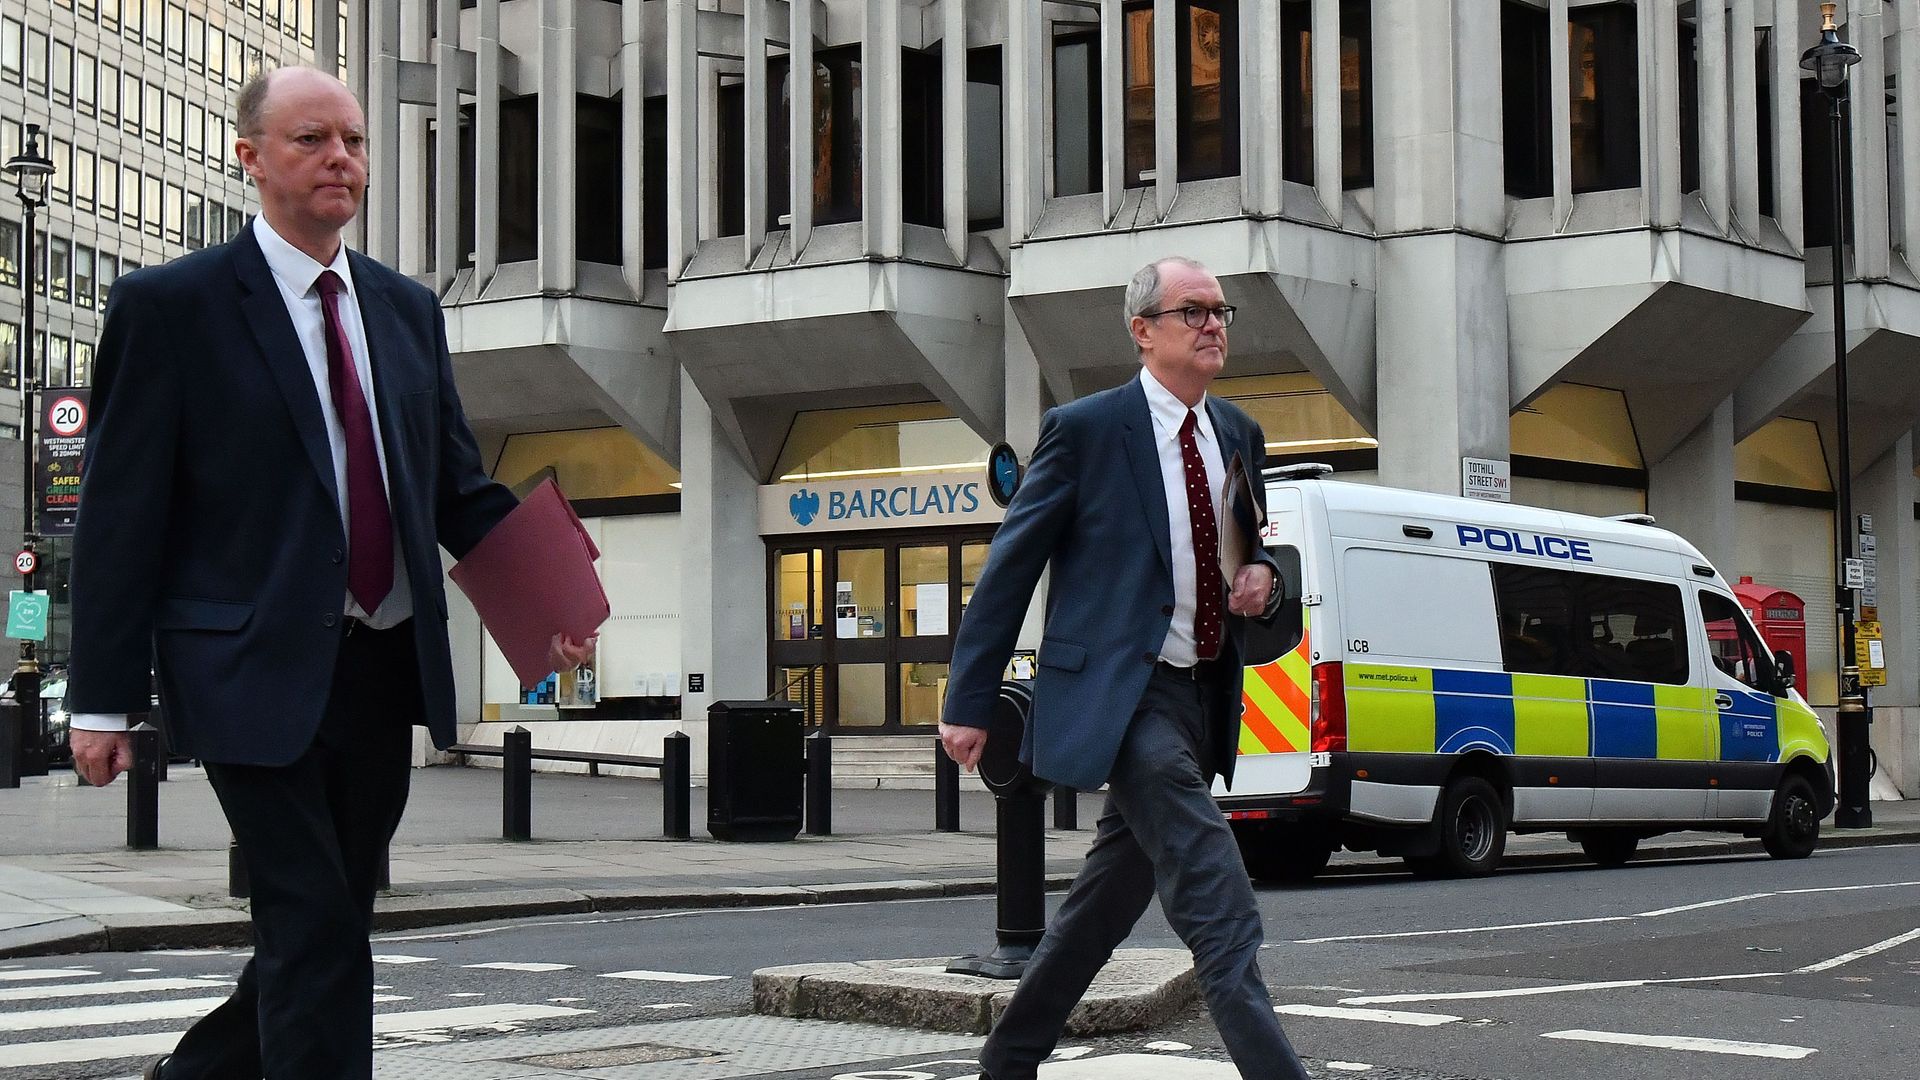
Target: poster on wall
846 620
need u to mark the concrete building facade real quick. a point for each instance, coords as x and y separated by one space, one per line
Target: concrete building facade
764 329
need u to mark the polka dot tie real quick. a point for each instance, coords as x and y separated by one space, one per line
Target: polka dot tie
1210 587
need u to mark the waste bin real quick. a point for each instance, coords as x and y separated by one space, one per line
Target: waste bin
755 770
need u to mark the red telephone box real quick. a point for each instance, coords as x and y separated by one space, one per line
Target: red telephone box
1780 616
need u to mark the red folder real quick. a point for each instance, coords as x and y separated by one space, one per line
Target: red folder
532 577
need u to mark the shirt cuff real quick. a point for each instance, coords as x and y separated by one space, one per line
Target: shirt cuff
87 721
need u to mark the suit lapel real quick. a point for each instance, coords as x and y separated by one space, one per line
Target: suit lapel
1144 457
266 314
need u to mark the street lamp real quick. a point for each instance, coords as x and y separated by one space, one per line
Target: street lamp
1830 61
31 170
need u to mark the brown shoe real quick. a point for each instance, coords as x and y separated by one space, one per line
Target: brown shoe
152 1071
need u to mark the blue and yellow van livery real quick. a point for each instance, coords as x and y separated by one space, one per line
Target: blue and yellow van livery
1475 669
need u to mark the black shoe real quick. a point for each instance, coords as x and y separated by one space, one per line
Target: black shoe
152 1071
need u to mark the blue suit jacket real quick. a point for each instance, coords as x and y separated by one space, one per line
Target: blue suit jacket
209 541
1092 506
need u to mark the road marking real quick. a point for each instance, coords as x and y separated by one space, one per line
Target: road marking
665 1005
34 974
1722 902
1552 988
509 966
96 1015
118 986
467 1016
1377 1016
664 976
1858 954
1350 1066
106 1048
394 958
1683 1042
382 999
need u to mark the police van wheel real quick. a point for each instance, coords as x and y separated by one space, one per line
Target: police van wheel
1608 847
1793 830
1473 830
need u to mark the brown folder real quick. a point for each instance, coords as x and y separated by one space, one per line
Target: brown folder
532 577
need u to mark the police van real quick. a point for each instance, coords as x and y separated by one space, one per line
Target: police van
1453 670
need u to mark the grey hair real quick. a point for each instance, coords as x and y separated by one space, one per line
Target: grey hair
1144 292
250 107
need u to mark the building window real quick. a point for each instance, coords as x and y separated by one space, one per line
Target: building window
60 151
215 223
1527 102
103 279
82 363
519 178
130 19
1206 97
1763 88
12 50
59 361
150 205
155 111
156 25
130 196
9 253
176 121
196 133
10 352
1356 93
1604 91
986 138
733 164
920 149
39 267
836 136
172 213
37 45
598 207
59 267
653 202
216 56
1816 170
236 61
176 32
83 276
1076 111
109 94
130 98
85 76
62 73
110 14
197 42
83 173
109 189
195 212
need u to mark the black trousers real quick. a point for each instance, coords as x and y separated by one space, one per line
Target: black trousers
312 834
1160 832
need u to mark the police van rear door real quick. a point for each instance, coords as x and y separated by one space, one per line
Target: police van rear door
1273 735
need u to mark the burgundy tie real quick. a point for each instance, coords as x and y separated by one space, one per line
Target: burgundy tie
369 521
1210 587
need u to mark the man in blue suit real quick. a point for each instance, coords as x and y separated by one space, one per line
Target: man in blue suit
1140 669
276 456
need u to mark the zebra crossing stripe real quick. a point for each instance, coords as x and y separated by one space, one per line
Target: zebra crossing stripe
531 968
35 974
643 975
466 1016
1780 1051
71 1051
118 986
97 1015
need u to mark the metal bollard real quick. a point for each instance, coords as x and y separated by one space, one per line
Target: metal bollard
143 790
946 790
676 787
10 735
819 784
385 881
1020 895
238 886
1066 808
516 785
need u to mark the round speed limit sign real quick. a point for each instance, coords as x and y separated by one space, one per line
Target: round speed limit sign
67 416
25 562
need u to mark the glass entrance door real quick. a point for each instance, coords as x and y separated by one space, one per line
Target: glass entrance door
862 628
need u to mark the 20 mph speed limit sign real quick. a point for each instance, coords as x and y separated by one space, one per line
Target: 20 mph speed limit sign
25 562
67 416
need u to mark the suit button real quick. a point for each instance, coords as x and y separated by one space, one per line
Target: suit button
329 619
338 556
1166 609
1148 657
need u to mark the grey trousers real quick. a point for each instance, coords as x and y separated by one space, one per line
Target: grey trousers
1160 832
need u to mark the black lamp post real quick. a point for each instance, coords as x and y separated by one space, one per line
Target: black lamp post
1830 61
31 170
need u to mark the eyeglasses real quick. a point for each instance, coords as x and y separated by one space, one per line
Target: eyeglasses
1196 317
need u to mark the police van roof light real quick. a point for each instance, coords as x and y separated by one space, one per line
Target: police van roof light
1632 519
1305 470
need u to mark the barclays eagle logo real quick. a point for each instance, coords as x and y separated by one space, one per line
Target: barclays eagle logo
804 505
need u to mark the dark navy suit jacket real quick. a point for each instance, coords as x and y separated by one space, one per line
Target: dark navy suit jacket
1093 506
209 541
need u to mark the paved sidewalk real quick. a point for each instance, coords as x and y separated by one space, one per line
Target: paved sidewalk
68 882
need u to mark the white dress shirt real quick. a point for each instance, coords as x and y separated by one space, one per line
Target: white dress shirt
296 273
1169 414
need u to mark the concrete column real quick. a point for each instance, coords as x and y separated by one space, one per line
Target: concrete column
1442 343
1715 176
755 150
486 146
723 589
953 126
1660 112
633 139
559 144
1745 118
1438 145
447 255
1691 491
1787 209
800 129
1560 96
1166 110
1113 110
1026 91
1260 93
326 39
417 28
1327 158
1867 112
382 213
1908 92
683 165
1887 490
880 175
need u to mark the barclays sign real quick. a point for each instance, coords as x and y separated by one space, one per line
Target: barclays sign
893 503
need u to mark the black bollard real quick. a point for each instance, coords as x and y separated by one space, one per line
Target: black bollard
676 784
10 735
1066 808
516 784
1020 845
143 790
238 886
820 784
946 790
386 868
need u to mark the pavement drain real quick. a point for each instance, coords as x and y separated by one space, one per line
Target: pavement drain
638 1054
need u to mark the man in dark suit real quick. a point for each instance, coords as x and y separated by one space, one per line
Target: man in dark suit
277 453
1140 669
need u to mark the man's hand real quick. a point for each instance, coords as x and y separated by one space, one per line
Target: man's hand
99 756
963 744
1251 587
564 655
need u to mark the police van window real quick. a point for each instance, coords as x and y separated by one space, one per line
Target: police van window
1559 622
1733 645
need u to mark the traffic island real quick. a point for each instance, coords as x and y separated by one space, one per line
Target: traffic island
1137 989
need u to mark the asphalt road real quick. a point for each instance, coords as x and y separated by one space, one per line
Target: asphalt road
1726 968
